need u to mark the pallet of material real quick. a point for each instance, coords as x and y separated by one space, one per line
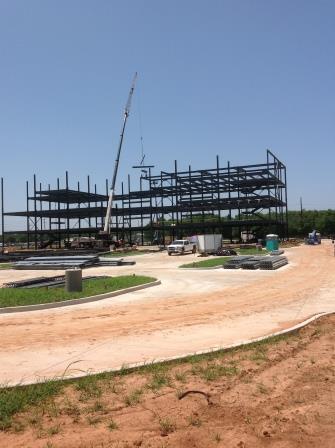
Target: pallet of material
44 282
68 262
272 263
111 261
236 262
64 262
252 264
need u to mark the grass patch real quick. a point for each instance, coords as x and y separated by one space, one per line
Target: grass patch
112 425
158 380
166 426
129 253
252 251
27 296
134 397
6 266
88 387
181 376
212 372
209 263
259 354
16 399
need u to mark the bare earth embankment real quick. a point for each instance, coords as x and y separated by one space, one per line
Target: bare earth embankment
279 393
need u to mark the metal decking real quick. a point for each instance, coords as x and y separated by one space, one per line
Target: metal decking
236 262
274 262
80 262
252 263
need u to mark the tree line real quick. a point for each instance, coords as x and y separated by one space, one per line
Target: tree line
300 223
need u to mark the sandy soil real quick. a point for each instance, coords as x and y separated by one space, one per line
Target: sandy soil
280 395
190 311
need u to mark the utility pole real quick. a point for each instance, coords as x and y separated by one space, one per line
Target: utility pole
301 217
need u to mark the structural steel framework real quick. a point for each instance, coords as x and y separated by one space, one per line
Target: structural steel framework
227 200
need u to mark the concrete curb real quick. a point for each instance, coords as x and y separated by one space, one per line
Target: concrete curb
218 348
48 306
183 356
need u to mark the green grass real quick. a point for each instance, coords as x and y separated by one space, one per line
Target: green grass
158 380
212 372
5 266
209 263
125 254
14 400
26 296
252 251
133 398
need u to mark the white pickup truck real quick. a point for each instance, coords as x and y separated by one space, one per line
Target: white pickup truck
181 247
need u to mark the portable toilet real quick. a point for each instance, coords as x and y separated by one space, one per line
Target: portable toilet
272 242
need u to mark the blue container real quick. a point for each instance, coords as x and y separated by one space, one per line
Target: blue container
272 242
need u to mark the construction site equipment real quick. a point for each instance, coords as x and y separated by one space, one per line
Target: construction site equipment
44 263
73 280
208 244
272 242
271 263
313 238
225 252
117 160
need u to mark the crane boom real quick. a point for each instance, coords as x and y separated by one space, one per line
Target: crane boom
117 160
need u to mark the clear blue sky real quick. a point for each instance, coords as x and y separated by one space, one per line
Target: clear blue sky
215 77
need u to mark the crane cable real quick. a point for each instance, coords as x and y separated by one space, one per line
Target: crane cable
140 123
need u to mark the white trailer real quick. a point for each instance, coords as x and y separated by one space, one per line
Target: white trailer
209 243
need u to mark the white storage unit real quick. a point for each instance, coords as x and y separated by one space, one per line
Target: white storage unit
209 243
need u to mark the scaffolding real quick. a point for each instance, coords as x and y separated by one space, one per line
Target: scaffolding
226 200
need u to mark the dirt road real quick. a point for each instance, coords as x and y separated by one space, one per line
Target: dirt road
190 311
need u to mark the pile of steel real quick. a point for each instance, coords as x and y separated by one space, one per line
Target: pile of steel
236 262
271 263
252 263
47 282
68 262
112 261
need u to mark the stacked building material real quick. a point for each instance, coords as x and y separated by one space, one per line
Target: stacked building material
46 282
34 282
236 262
271 263
277 252
111 261
80 261
252 263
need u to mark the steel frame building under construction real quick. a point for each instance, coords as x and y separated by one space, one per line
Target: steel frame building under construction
226 200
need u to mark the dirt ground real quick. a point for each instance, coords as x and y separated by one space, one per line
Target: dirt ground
191 310
277 394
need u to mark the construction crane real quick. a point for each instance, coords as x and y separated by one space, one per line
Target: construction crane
106 230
